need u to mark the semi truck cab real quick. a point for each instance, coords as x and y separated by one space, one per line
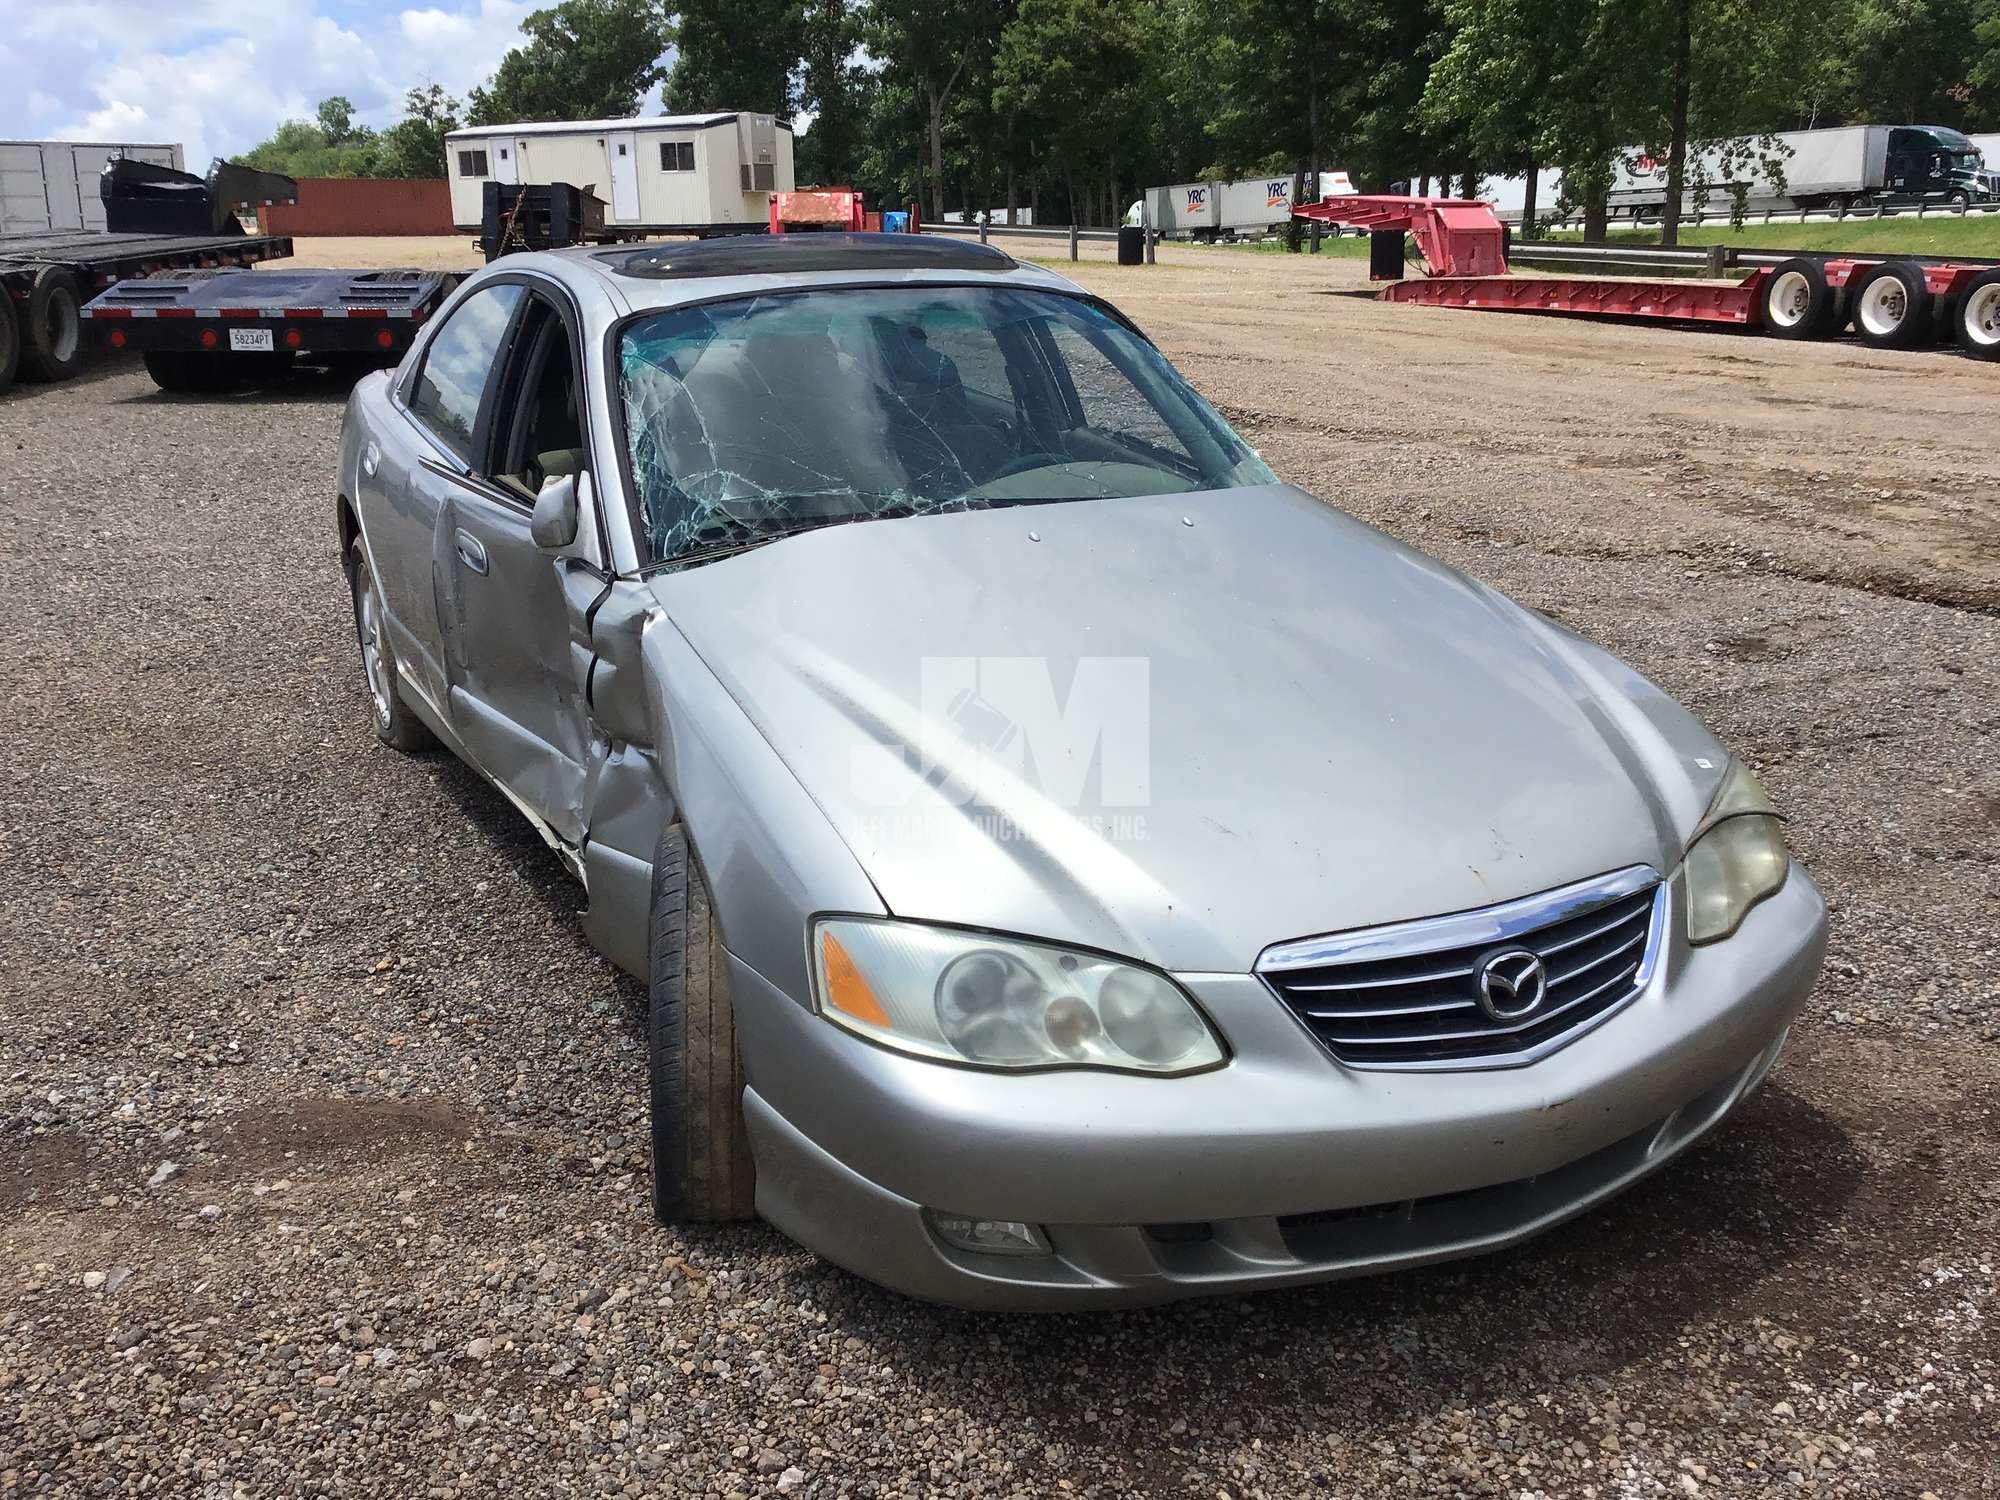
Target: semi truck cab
1932 161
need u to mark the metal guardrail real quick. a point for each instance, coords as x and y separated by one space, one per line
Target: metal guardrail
1782 216
1071 232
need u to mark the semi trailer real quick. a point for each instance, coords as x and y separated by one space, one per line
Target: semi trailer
50 187
1891 302
153 219
1215 210
1849 166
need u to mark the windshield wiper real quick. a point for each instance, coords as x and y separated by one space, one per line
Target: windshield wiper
758 534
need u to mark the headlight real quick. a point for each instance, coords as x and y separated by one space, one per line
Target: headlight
964 997
1737 858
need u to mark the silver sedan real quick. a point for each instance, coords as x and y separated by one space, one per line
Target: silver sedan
1068 866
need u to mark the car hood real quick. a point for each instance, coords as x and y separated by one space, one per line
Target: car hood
1184 728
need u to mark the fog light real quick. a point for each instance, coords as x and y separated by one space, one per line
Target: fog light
987 1236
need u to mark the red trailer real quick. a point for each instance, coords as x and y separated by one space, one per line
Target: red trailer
1895 303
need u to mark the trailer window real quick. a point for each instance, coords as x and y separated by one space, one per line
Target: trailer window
472 163
676 156
458 365
756 416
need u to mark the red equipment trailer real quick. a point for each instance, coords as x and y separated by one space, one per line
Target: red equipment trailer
1894 303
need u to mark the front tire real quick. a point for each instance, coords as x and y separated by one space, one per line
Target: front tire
702 1170
395 725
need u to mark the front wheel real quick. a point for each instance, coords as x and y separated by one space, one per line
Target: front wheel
702 1171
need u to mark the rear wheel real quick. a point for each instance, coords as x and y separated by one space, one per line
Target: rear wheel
1799 302
1892 305
702 1171
395 725
10 339
1978 320
52 340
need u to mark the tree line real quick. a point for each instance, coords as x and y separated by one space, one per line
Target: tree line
1069 107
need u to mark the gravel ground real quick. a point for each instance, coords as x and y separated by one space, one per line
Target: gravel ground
322 1131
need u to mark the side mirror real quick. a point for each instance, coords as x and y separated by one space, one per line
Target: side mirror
555 518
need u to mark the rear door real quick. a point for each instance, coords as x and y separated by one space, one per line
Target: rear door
516 688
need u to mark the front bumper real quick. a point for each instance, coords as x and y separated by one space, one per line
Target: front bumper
1281 1168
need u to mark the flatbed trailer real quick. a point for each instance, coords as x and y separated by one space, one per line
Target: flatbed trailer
1891 302
46 277
212 329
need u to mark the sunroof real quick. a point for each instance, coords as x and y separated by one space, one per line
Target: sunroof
780 254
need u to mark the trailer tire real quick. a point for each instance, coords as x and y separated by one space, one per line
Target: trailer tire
1798 302
1976 316
1891 305
52 340
10 339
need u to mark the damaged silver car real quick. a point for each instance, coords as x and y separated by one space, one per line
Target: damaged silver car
1068 866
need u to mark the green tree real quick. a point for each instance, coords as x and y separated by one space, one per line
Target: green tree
414 145
932 45
1985 77
737 54
838 88
309 148
1067 71
583 60
1912 61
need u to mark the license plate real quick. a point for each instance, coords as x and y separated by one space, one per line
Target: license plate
251 340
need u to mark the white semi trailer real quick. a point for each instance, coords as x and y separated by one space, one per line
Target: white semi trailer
1845 167
1227 210
47 187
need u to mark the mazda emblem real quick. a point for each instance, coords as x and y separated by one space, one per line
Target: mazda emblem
1512 984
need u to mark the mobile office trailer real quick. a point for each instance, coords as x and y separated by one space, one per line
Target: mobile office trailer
668 174
1847 166
50 186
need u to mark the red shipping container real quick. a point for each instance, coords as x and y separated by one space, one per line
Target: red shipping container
362 206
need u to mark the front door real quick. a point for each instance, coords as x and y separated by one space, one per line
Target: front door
506 163
623 149
410 478
516 696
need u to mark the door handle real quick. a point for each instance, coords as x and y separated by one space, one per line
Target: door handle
471 551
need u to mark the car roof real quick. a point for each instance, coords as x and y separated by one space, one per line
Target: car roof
669 272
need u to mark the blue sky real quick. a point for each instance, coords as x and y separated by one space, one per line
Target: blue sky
217 75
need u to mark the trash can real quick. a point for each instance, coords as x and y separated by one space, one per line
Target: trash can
1131 245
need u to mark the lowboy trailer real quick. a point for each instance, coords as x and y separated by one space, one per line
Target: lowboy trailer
1892 303
213 330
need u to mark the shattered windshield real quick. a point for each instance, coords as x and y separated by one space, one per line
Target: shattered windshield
756 417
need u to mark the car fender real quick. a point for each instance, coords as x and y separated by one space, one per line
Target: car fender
681 748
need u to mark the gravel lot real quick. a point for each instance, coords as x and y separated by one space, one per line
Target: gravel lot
322 1140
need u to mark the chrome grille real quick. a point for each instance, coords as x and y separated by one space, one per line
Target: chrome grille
1406 996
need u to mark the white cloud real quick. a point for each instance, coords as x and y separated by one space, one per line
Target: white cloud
219 75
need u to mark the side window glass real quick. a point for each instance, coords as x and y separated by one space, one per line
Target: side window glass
543 439
458 364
